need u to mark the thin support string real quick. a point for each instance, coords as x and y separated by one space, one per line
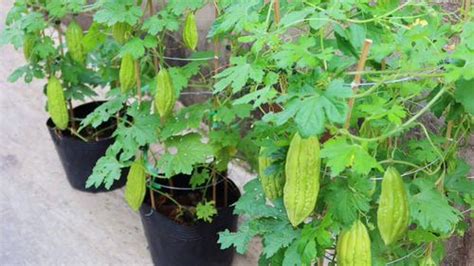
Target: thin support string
196 93
366 84
190 188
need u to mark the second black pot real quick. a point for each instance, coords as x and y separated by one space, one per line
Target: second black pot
176 244
78 157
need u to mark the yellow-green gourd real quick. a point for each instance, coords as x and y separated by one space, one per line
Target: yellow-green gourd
190 32
272 184
135 187
302 171
127 73
74 37
57 107
121 32
353 246
393 211
165 97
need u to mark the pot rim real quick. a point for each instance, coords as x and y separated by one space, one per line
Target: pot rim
50 125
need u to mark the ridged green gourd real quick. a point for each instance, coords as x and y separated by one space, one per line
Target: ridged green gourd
57 107
353 246
127 73
190 32
28 46
427 261
165 97
302 171
74 38
393 211
121 32
272 184
135 187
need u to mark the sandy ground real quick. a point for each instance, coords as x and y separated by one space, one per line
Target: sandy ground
43 221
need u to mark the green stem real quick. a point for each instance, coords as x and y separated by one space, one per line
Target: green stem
382 16
419 168
77 135
400 128
166 196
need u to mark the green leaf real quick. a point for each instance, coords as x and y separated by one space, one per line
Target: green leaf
142 131
187 118
180 6
297 53
113 11
253 202
420 236
458 181
318 20
93 38
340 155
347 197
422 151
18 73
205 211
183 153
464 94
240 240
106 170
467 35
163 20
234 18
60 8
102 113
311 113
292 257
357 35
136 46
228 114
280 236
258 97
199 178
45 48
237 76
32 22
294 17
430 209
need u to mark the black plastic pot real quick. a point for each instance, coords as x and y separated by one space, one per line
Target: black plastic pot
176 244
78 157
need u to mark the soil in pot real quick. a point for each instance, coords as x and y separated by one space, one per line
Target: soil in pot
176 238
79 157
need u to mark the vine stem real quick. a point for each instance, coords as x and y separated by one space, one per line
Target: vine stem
401 127
449 129
406 256
152 199
418 168
139 81
71 114
167 196
357 78
215 57
60 38
77 135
